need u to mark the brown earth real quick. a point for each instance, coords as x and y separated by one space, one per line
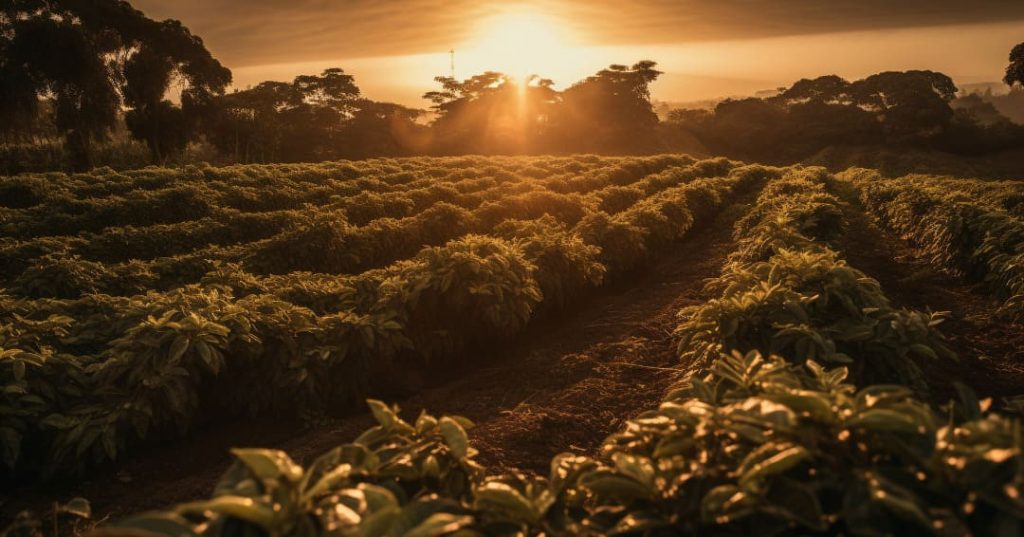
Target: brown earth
990 350
565 385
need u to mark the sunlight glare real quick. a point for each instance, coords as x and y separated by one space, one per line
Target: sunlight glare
521 44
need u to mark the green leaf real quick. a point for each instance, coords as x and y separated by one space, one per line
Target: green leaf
638 468
455 437
382 413
379 523
605 483
78 507
724 504
239 507
178 348
425 423
781 461
899 502
439 524
269 464
503 498
329 481
924 350
885 420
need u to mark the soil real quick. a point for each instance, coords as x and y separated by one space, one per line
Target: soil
990 350
565 385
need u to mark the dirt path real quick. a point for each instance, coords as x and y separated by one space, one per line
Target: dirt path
991 351
564 386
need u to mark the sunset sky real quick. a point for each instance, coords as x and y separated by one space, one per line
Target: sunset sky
708 49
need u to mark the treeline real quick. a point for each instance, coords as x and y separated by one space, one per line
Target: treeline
98 93
912 109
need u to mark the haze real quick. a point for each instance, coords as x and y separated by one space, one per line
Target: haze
708 50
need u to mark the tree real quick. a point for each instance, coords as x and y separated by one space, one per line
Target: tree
71 69
491 113
610 111
248 124
285 121
912 105
84 54
19 104
825 89
166 52
1015 71
382 130
312 118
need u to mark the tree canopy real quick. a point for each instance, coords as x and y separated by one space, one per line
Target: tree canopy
909 108
100 55
610 111
309 119
1015 71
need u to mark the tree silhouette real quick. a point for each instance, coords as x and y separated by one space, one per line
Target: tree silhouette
166 51
610 111
911 104
895 108
86 54
490 113
71 69
825 89
312 118
1015 71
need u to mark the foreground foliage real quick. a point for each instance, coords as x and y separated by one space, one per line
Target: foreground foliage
756 446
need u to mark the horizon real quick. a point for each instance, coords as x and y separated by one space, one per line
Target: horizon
712 63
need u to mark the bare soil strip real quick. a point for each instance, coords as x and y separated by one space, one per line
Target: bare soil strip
991 351
571 380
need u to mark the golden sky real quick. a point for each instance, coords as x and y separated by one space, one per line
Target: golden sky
708 48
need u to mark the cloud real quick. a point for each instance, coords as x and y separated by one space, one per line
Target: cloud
258 32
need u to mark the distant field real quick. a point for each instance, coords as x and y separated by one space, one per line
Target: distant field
799 389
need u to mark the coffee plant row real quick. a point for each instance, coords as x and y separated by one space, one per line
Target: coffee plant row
972 227
90 377
356 231
788 293
807 426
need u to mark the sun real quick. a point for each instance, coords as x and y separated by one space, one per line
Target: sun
521 44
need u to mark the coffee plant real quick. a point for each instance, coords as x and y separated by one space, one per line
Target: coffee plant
145 303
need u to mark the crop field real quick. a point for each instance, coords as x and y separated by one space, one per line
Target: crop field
640 345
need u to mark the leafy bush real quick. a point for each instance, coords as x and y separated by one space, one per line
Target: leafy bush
812 306
963 226
566 267
755 446
203 294
474 288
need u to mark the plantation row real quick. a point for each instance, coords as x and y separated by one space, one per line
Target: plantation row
39 205
772 439
972 227
87 378
315 239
